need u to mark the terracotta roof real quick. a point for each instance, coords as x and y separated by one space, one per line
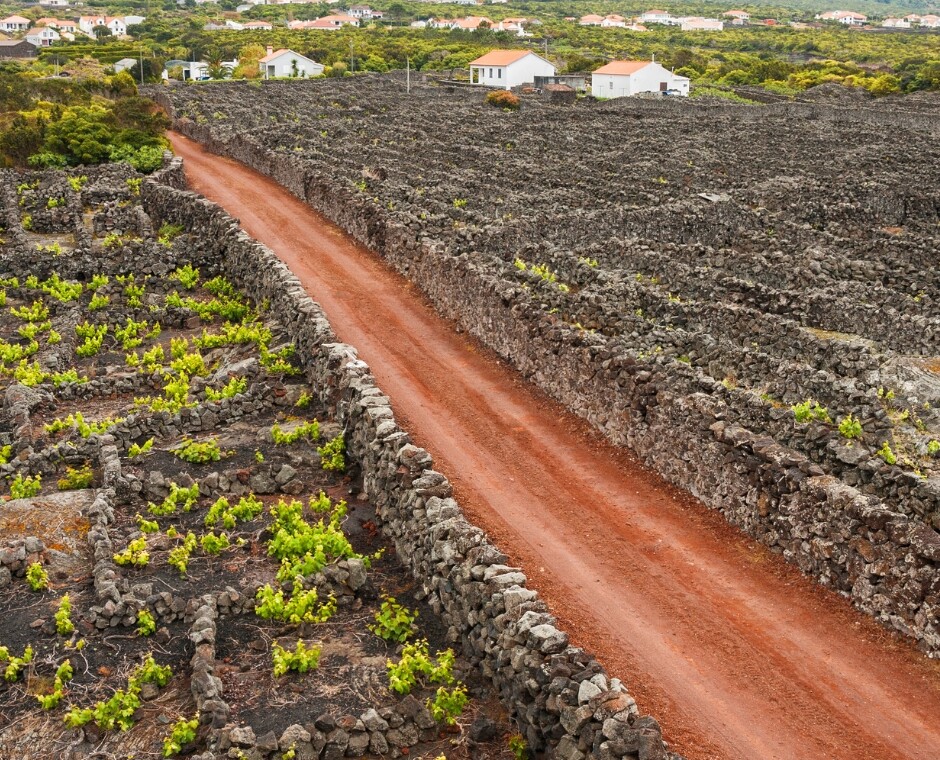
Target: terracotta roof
624 68
654 11
272 56
500 57
16 20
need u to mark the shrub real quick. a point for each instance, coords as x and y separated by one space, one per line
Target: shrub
213 544
146 624
417 664
25 488
37 577
199 453
308 429
137 450
63 673
810 410
135 554
301 659
447 706
15 664
393 622
850 427
301 606
183 733
76 479
887 454
179 557
331 454
63 617
503 99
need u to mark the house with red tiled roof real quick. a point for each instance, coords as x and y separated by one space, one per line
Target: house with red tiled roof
472 23
287 63
509 68
14 24
591 19
849 18
335 21
621 79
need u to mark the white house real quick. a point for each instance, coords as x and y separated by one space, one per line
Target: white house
592 19
287 63
614 20
264 25
42 36
896 23
334 21
736 14
620 79
657 17
930 21
54 3
116 25
14 24
849 18
509 68
472 23
364 12
87 24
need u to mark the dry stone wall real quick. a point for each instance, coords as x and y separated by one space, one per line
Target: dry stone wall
700 387
558 695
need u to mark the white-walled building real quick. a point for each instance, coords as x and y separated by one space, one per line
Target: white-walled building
14 24
54 3
849 18
621 79
42 36
736 14
657 17
896 23
509 68
287 63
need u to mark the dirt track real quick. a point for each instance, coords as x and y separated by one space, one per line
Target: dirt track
736 653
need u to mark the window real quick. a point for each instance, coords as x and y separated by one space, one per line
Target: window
499 73
491 73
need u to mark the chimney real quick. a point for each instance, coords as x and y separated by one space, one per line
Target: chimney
270 50
654 57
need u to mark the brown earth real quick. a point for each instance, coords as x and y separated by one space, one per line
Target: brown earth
734 651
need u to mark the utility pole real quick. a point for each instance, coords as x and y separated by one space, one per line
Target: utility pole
352 60
140 50
408 73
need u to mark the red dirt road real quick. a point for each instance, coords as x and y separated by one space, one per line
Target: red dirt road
736 653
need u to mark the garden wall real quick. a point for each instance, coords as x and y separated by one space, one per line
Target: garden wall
884 559
558 695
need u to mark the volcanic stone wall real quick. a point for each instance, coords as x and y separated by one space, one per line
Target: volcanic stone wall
842 514
558 695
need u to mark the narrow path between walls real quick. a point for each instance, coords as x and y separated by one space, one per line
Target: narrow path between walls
735 652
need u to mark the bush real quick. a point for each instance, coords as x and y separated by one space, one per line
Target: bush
502 99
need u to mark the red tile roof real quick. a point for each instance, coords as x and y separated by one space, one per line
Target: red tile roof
624 68
500 57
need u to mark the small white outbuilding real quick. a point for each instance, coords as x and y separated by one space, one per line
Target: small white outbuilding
509 68
287 63
620 79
